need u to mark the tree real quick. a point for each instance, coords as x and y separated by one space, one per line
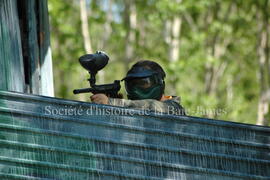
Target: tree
209 57
130 19
264 62
85 31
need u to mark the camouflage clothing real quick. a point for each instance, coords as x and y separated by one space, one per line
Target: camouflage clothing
170 106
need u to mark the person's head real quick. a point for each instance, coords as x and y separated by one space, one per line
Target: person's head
145 80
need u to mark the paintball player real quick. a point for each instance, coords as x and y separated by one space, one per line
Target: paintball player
144 84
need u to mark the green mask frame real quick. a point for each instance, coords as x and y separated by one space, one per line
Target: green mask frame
148 93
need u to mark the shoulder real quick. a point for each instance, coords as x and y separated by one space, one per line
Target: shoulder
175 106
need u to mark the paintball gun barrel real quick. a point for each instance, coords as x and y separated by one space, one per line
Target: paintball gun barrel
93 63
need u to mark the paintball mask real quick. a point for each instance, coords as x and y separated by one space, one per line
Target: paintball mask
143 83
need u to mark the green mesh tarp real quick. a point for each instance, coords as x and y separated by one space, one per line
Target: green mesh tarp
50 138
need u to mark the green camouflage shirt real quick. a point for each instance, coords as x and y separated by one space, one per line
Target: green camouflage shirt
171 106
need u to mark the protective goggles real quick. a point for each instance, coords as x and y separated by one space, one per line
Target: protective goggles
144 88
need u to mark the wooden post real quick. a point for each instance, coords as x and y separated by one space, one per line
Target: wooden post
46 73
11 61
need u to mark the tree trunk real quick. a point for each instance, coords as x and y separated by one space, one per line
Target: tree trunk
217 48
86 38
106 35
142 33
131 23
85 31
264 65
174 29
171 35
167 31
175 41
229 89
107 26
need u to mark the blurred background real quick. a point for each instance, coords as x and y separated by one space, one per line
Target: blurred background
215 53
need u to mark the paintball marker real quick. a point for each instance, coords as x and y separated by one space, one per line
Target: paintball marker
93 63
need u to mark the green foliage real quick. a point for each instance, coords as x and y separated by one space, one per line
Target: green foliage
208 28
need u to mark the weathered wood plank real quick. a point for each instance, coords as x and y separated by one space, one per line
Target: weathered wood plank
26 64
46 72
32 54
11 61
